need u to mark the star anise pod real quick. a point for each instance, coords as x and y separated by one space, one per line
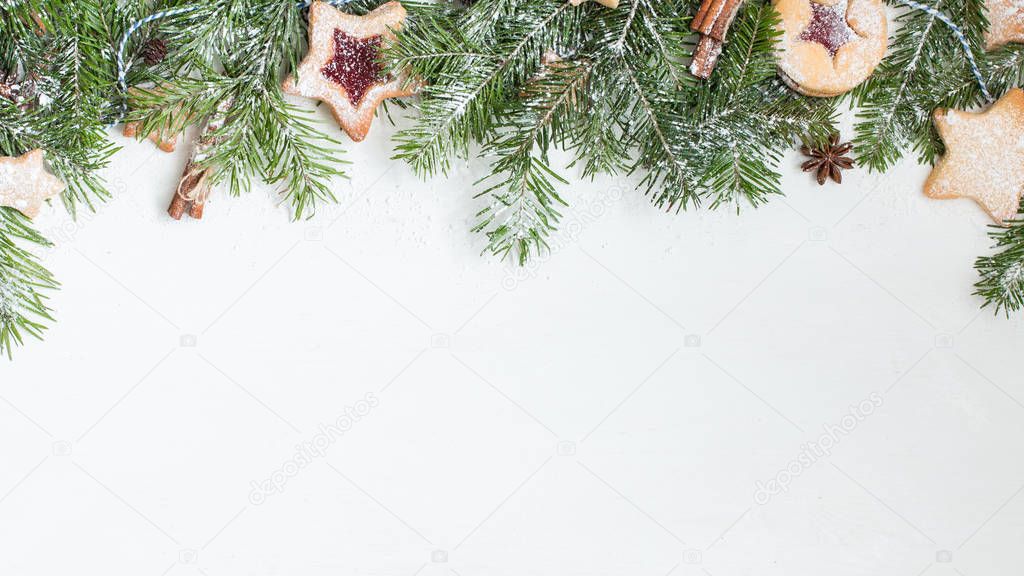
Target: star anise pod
829 160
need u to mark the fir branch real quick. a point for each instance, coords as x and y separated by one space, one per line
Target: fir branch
926 69
523 210
23 282
1002 274
645 46
744 118
458 107
654 126
635 110
226 51
65 54
59 52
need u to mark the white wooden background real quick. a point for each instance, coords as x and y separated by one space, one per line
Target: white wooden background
803 389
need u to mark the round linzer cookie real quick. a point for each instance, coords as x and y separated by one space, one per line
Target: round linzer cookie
830 46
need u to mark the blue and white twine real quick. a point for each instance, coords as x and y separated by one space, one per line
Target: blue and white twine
963 42
122 66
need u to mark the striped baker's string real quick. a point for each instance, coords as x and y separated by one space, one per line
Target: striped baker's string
959 36
122 66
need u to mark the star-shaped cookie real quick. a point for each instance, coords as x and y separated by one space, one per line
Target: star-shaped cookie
1005 23
342 66
25 184
608 3
984 156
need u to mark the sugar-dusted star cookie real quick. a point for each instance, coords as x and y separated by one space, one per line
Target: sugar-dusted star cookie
1005 23
25 184
608 3
984 156
342 66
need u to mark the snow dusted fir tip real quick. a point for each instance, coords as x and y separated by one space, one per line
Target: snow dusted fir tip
25 184
342 66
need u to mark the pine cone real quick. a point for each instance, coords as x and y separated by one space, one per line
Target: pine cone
154 51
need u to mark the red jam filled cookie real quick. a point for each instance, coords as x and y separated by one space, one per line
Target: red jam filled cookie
830 46
343 66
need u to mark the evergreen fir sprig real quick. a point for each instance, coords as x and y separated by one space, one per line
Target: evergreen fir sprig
524 202
1002 274
609 86
234 54
925 68
23 282
1004 68
59 56
745 118
62 50
470 78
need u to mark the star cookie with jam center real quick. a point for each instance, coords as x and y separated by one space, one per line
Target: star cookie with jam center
25 184
342 67
984 155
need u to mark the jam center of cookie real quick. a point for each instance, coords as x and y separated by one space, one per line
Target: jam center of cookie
354 66
828 27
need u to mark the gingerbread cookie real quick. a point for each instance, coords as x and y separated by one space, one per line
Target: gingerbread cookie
984 155
25 184
342 67
830 46
1005 23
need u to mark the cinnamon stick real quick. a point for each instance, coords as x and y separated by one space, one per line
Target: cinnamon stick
722 23
194 186
192 192
712 22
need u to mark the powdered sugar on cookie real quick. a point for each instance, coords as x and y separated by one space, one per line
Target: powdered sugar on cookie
342 67
1006 22
984 155
830 46
25 184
